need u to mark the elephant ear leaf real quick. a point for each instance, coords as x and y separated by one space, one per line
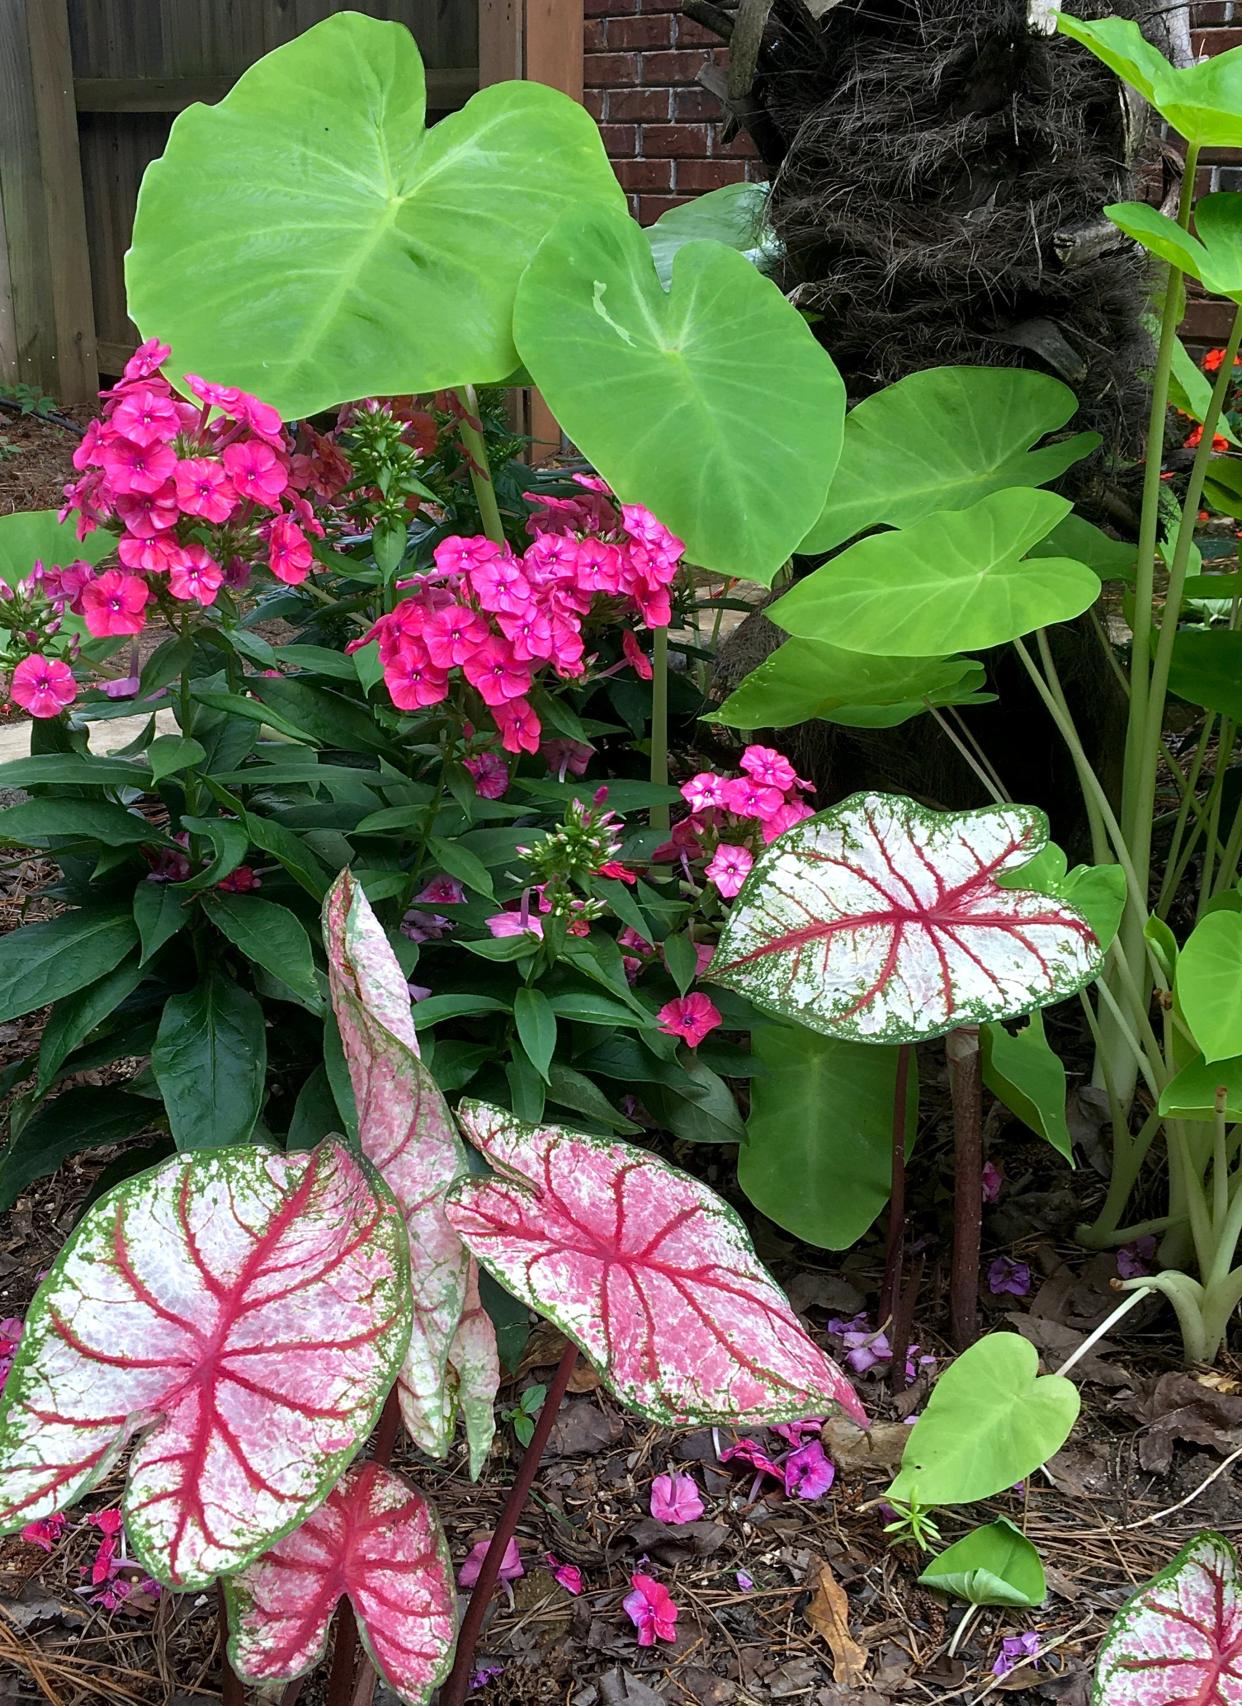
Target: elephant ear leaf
245 1314
408 1134
883 921
1180 1638
375 1541
651 1274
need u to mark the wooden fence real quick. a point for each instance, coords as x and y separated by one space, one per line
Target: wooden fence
88 91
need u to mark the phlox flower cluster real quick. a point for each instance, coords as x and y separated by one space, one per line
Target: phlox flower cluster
495 620
731 816
200 492
804 1469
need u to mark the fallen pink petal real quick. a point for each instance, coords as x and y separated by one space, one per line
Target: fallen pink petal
511 1566
808 1472
650 1608
568 1575
675 1499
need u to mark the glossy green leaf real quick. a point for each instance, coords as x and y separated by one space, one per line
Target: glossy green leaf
732 215
804 679
1206 669
1160 236
86 1117
210 1060
271 936
35 536
991 1420
227 843
1203 101
536 1027
817 1158
996 1565
1111 559
943 439
695 1104
952 581
1209 984
338 248
72 1020
1191 1093
44 962
88 820
168 754
159 912
1027 1077
72 769
1214 256
461 863
711 403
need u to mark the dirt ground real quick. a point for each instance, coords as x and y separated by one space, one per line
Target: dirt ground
760 1621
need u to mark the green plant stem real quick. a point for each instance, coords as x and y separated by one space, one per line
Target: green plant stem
1097 1333
456 1687
990 786
470 429
1121 1020
1224 752
659 722
1226 876
1220 1168
1179 855
1095 799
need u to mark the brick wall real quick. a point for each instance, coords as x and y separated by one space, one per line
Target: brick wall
660 127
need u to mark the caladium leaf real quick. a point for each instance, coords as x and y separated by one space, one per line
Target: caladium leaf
1178 1642
883 920
474 1373
375 1541
407 1132
650 1273
246 1313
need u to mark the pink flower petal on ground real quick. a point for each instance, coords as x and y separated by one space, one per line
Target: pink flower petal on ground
246 1310
651 1610
408 1133
378 1543
568 1575
647 1270
751 1453
511 1566
808 1473
675 1499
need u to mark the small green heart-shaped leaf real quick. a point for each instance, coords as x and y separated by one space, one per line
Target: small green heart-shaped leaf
992 1418
996 1565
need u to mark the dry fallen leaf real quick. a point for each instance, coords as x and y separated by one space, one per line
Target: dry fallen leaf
879 1448
828 1615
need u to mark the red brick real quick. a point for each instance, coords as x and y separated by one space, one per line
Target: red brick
620 140
645 174
676 141
643 105
609 70
650 207
593 36
690 34
1215 41
741 147
709 174
593 101
676 67
608 8
1207 322
695 104
648 29
1217 13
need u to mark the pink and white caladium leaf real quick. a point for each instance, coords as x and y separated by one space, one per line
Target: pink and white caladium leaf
407 1132
882 921
245 1313
651 1274
375 1541
474 1373
1178 1642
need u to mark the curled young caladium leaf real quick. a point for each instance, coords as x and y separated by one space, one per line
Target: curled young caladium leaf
375 1541
406 1130
646 1270
1178 1642
246 1312
883 921
474 1372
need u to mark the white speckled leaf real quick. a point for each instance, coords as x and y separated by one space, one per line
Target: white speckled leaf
474 1372
378 1542
407 1132
883 921
1178 1642
246 1313
646 1270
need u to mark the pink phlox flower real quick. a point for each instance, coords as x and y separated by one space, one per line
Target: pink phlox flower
145 415
144 514
413 681
635 656
10 1338
419 926
1017 1650
490 775
514 924
565 757
1137 1258
618 872
442 890
153 556
203 488
745 1581
290 556
43 686
916 1363
808 1473
651 1610
260 417
530 634
194 576
511 1566
770 768
704 792
690 1017
244 880
599 567
783 818
993 1179
115 603
628 937
750 1452
483 1674
519 726
499 585
1007 1276
147 359
496 673
730 866
675 1499
47 1532
224 397
745 797
568 1575
256 471
457 555
454 634
121 686
135 469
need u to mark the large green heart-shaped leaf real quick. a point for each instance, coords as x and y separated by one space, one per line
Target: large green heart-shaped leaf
1214 257
1207 669
942 439
954 580
1209 987
991 1419
36 536
813 678
1191 1095
309 240
711 403
1202 101
732 215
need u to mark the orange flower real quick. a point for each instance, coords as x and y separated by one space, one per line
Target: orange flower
1212 360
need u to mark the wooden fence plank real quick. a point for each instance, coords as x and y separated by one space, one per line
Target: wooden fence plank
446 87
